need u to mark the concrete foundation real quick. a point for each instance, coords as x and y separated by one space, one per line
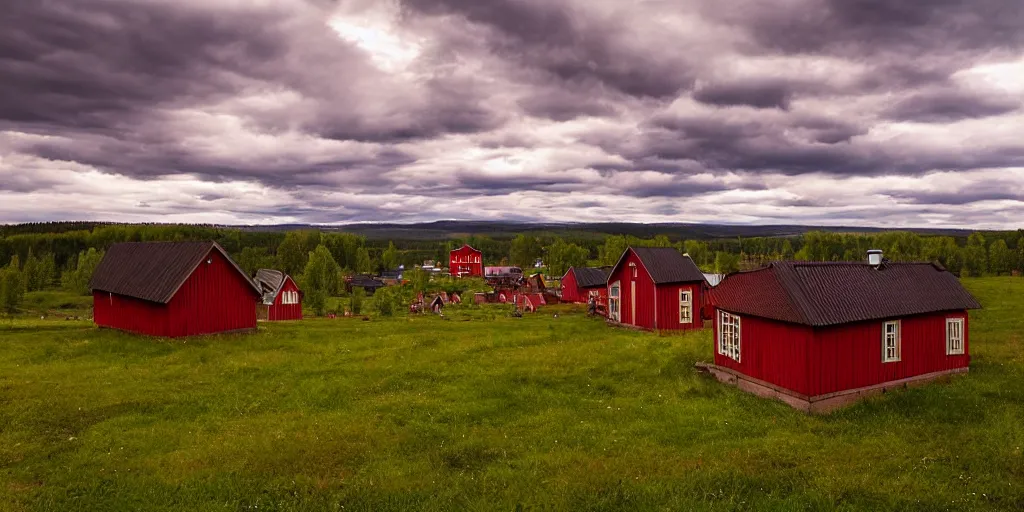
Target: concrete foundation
821 403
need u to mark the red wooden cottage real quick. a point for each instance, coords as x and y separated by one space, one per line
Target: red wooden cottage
579 284
820 335
173 289
282 299
656 288
466 262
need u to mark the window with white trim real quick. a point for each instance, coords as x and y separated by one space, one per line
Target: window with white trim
954 336
891 341
613 301
729 335
685 307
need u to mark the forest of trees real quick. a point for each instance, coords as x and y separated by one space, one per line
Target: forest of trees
41 256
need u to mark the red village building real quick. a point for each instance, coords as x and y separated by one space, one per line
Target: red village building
466 262
173 289
579 284
282 299
821 335
656 288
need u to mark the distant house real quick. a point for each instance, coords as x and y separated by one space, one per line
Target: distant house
173 289
819 335
282 299
656 288
579 284
369 284
466 262
393 277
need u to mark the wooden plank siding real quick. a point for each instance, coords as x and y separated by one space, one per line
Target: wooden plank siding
818 361
771 351
668 306
280 311
214 298
570 290
850 356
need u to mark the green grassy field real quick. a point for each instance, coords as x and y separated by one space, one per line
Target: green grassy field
483 412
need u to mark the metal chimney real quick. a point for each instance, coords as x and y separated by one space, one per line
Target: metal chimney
875 258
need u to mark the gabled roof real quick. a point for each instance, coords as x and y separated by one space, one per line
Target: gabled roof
665 265
154 271
823 294
464 246
270 283
589 277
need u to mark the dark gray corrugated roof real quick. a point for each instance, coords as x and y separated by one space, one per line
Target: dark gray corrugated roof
154 271
589 277
822 294
666 265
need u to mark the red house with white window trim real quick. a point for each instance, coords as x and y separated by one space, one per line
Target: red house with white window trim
821 335
656 288
282 299
172 289
466 262
579 284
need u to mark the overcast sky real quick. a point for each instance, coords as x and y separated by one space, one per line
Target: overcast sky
835 112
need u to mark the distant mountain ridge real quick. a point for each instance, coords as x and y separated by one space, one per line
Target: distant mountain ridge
460 229
454 229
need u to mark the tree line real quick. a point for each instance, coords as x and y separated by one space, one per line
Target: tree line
66 257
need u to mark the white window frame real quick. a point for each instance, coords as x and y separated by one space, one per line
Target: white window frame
614 301
729 335
955 337
685 306
892 341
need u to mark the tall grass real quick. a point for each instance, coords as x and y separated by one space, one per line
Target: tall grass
480 411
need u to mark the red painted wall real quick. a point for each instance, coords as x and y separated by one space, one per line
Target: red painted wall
570 291
466 261
668 306
281 311
817 361
215 298
850 356
657 307
645 291
771 351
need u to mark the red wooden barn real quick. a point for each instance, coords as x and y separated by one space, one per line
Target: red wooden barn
580 283
820 335
173 289
656 288
282 299
466 262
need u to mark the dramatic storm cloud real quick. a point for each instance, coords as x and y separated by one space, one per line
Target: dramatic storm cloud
863 112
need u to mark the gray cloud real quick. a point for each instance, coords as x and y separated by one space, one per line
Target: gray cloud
944 106
758 95
509 105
